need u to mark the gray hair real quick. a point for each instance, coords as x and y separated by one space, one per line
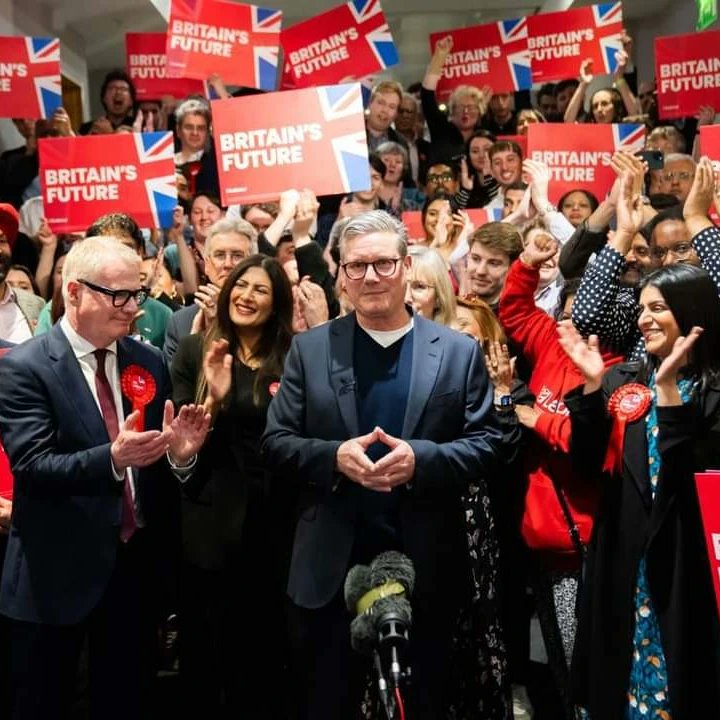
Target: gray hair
374 221
87 257
389 147
192 107
231 225
680 157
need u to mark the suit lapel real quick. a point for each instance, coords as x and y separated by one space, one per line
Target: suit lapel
342 373
71 379
427 355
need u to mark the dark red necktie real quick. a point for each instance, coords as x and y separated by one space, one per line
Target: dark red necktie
109 413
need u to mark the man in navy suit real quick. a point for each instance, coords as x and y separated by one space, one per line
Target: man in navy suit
385 418
93 495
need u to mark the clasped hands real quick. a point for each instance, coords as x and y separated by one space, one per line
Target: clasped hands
395 468
181 437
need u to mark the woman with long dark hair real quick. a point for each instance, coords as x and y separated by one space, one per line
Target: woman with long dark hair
233 516
648 635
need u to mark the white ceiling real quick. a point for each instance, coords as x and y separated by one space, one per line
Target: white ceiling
101 24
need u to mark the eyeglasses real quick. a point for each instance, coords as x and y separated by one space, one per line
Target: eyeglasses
384 267
419 288
679 251
218 256
670 176
120 298
118 89
468 108
443 177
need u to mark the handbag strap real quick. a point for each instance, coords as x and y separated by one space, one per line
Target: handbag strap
572 525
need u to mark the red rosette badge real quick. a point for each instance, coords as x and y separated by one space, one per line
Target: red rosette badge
627 404
139 387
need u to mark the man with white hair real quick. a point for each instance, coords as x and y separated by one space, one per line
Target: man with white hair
229 240
86 425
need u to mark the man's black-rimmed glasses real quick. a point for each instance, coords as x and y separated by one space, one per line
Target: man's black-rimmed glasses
120 298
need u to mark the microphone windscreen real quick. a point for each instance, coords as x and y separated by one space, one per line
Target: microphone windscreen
393 606
363 636
393 565
357 583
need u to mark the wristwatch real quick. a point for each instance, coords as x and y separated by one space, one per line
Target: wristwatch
504 402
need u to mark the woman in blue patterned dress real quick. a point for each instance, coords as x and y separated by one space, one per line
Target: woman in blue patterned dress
648 640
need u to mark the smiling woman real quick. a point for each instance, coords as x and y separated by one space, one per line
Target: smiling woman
648 542
234 513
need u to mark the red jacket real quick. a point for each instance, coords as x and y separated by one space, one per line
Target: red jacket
544 526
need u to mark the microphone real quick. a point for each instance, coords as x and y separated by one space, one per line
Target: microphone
378 595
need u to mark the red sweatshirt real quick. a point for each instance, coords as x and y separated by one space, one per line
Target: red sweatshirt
544 527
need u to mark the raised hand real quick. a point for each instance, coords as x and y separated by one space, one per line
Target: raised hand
540 248
442 226
584 354
135 448
706 115
701 193
500 366
305 214
629 208
538 174
586 76
312 302
188 430
217 366
667 373
466 180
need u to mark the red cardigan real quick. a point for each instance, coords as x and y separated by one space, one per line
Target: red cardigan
544 526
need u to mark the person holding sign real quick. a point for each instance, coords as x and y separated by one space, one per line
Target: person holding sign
86 424
648 633
466 105
609 105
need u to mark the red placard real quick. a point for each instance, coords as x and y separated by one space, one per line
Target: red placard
6 476
85 177
496 54
687 73
147 67
579 154
708 490
262 149
560 41
239 42
343 44
710 146
29 77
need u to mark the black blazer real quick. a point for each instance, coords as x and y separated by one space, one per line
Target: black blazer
668 533
67 503
449 423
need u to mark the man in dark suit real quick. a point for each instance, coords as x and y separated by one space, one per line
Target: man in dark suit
93 503
385 418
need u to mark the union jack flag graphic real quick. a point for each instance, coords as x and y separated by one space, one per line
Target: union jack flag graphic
266 20
512 30
32 80
628 137
607 14
519 64
42 50
153 146
363 10
381 43
162 199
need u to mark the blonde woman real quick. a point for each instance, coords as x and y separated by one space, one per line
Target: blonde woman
429 290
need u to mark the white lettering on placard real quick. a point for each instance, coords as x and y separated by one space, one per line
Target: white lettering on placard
85 184
322 53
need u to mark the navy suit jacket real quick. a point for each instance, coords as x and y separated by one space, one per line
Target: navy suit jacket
67 503
449 422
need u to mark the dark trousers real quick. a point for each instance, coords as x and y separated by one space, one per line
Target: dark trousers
121 644
329 679
5 680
